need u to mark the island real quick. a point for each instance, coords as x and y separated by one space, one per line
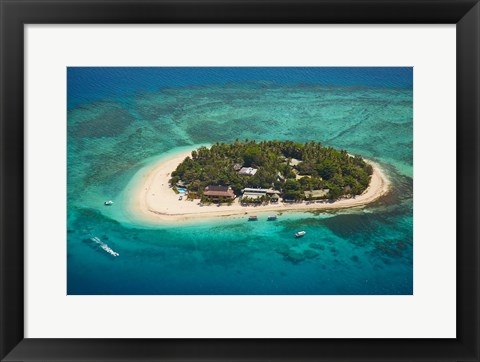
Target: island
265 171
249 177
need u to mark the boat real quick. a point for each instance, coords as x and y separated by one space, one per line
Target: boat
252 218
300 234
104 246
109 250
272 217
109 202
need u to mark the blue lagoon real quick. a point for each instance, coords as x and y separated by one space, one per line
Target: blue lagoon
125 122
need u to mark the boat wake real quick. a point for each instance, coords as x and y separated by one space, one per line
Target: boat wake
104 246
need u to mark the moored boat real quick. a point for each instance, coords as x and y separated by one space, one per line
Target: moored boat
252 218
300 234
108 203
272 217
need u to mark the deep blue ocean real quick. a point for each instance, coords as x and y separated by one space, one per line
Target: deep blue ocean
120 119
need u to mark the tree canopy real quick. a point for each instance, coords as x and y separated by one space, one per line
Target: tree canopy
290 167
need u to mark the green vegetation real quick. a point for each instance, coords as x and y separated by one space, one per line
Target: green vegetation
289 167
255 201
222 200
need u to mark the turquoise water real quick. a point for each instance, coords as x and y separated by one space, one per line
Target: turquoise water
123 119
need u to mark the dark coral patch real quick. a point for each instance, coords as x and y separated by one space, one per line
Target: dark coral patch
293 256
355 258
391 248
108 120
317 246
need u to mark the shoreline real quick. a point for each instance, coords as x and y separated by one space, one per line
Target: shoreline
152 200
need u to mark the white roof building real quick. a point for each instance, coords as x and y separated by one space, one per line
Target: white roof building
247 171
253 195
259 190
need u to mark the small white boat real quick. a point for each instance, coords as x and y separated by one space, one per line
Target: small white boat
272 217
300 234
109 202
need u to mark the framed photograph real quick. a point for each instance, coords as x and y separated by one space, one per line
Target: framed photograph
239 181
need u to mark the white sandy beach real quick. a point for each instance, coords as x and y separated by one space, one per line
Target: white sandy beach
152 200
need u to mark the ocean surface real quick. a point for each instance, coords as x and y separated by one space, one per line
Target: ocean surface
122 119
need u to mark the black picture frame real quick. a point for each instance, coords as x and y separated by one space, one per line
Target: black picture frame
15 14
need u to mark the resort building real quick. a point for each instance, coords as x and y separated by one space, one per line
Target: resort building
219 191
316 194
247 171
256 193
294 161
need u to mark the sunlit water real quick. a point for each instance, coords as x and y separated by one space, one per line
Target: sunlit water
122 119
